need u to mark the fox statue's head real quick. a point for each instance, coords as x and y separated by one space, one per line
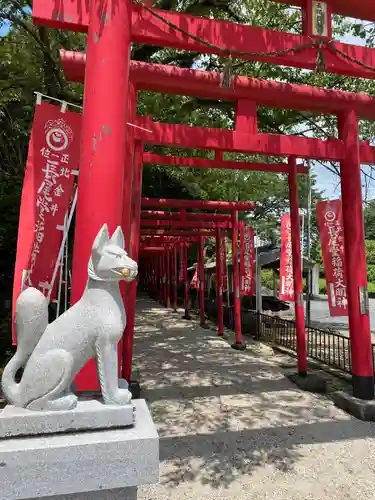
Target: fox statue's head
109 261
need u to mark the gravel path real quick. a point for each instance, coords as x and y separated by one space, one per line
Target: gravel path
233 427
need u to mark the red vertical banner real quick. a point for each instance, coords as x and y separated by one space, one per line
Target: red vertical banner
223 260
52 160
247 261
195 283
329 215
286 263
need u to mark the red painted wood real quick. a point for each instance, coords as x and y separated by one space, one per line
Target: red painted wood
236 279
184 224
168 277
152 249
205 84
160 277
210 138
175 278
355 256
359 9
128 337
155 214
183 161
366 153
160 233
165 240
186 283
147 29
103 140
200 264
246 117
219 285
198 204
297 268
129 167
163 284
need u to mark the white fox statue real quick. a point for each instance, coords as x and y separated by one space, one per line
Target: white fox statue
52 354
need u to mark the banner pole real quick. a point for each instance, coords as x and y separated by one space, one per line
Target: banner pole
308 244
258 291
66 267
61 251
58 300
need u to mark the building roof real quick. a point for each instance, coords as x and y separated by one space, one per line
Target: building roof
269 258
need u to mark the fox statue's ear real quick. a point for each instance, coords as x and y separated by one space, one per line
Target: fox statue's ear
101 239
117 238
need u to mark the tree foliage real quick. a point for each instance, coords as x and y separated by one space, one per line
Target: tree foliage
29 62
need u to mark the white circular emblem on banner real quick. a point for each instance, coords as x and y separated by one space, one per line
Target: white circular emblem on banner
330 216
57 139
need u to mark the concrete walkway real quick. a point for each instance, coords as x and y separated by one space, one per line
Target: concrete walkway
232 427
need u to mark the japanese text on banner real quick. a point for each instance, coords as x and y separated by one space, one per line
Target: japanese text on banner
47 191
247 261
329 214
223 263
54 183
286 262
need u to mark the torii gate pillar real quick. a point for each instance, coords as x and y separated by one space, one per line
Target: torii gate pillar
104 135
355 259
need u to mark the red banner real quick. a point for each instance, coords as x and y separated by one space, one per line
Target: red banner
223 263
329 215
47 189
195 280
247 261
286 263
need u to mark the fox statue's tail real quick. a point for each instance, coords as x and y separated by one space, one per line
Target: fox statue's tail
31 322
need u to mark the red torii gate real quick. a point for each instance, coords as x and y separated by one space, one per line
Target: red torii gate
183 240
212 222
149 26
107 108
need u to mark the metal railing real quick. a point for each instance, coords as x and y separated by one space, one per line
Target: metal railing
326 346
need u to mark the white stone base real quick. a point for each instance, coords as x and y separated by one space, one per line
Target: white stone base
87 464
88 415
118 494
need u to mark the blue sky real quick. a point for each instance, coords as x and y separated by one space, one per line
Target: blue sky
4 28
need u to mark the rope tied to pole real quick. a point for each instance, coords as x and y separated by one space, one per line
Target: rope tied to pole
320 61
226 79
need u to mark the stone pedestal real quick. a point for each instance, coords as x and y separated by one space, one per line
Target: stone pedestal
118 494
92 465
87 416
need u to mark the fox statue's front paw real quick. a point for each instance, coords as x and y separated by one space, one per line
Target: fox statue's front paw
121 397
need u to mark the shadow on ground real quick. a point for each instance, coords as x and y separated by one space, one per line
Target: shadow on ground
224 415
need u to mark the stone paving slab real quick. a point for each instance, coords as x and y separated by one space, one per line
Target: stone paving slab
232 426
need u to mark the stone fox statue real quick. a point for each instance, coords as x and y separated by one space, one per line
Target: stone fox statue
52 354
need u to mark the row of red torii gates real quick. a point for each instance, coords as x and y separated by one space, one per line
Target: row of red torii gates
112 152
159 249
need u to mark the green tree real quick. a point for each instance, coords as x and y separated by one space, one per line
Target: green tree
369 220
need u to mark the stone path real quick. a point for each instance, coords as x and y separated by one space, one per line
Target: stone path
233 427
